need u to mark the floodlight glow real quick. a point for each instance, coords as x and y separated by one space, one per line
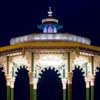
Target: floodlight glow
80 61
50 36
20 60
50 60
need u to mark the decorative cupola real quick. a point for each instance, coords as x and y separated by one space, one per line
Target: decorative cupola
50 24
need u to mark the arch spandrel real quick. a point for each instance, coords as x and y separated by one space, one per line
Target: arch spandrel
58 61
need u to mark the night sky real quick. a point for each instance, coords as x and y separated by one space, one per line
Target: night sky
20 17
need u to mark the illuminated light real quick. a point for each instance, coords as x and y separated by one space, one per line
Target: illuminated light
50 30
16 63
83 40
36 38
86 54
43 37
80 61
45 30
55 30
15 54
49 36
17 40
50 60
70 38
74 38
35 82
50 12
83 62
49 20
78 39
25 38
20 61
22 39
58 37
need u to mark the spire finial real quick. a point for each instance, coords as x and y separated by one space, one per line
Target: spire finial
50 12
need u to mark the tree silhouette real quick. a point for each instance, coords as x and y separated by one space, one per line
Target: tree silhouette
78 84
3 87
21 85
49 85
97 85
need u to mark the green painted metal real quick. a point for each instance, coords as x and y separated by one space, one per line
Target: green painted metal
92 92
87 94
7 64
32 60
92 63
64 94
68 61
8 93
31 92
12 93
35 94
69 91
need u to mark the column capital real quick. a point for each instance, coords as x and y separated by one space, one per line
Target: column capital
92 80
8 79
12 83
35 83
64 81
87 82
31 77
69 77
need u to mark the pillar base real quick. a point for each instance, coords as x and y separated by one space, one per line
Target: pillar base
64 94
92 92
8 93
31 92
69 91
35 94
87 93
12 93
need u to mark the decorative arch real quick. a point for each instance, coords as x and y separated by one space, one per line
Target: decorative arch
21 85
78 84
49 85
43 69
97 85
3 85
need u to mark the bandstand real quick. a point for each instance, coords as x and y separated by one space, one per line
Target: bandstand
50 48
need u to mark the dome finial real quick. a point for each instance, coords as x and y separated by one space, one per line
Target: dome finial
50 12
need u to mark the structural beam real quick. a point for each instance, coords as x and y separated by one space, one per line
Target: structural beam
68 61
7 64
69 86
92 64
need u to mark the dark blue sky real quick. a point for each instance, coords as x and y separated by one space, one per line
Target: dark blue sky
20 17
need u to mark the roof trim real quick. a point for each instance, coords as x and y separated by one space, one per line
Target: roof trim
49 45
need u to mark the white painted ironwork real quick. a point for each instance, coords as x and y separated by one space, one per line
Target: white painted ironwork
50 37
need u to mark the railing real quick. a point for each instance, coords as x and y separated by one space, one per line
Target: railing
50 37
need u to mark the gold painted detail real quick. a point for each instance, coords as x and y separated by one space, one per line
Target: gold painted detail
48 44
